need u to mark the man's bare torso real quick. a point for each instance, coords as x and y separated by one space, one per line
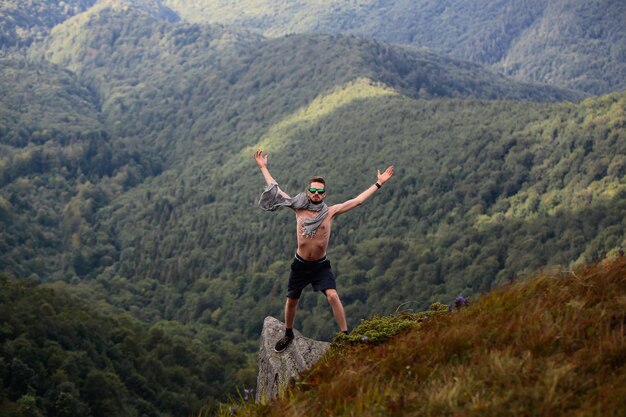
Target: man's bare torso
313 248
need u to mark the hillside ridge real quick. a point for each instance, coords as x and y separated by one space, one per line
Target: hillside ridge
532 40
553 344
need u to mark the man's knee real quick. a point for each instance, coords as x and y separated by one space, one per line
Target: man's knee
292 301
332 296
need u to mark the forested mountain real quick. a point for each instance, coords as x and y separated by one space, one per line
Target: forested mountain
574 44
570 43
167 188
126 175
161 71
484 191
54 148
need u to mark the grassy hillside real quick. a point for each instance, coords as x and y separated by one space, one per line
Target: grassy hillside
551 345
575 44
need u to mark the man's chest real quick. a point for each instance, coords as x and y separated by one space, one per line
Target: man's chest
305 217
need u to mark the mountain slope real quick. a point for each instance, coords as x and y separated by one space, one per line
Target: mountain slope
54 147
483 192
40 96
553 345
579 45
161 72
575 44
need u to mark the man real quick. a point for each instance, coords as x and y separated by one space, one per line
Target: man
313 220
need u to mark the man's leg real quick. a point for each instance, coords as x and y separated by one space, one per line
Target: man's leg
290 312
338 311
290 317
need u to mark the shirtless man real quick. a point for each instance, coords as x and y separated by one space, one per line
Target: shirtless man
313 221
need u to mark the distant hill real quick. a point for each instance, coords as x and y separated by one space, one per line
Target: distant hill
135 60
39 96
22 22
546 346
575 44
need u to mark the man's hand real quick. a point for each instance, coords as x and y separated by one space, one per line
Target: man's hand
384 177
261 160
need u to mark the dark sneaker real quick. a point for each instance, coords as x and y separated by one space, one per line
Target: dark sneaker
283 344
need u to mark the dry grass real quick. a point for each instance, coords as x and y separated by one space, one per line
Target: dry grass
552 346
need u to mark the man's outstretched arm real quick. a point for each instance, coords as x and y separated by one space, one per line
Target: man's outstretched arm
261 161
361 198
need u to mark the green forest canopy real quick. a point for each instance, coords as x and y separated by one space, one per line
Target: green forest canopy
61 357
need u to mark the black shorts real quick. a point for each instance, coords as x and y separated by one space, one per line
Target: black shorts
316 273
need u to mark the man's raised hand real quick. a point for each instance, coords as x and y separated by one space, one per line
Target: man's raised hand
261 160
384 177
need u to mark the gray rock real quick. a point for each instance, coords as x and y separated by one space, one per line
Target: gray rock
279 370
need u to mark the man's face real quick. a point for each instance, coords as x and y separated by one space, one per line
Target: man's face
316 197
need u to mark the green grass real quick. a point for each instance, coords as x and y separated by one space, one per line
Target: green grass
554 345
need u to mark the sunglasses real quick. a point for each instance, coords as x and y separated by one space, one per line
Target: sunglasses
319 190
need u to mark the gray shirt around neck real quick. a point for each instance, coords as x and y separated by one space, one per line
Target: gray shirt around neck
271 200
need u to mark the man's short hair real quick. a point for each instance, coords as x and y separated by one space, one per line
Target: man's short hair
316 179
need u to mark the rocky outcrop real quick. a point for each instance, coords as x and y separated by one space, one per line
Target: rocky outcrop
279 370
